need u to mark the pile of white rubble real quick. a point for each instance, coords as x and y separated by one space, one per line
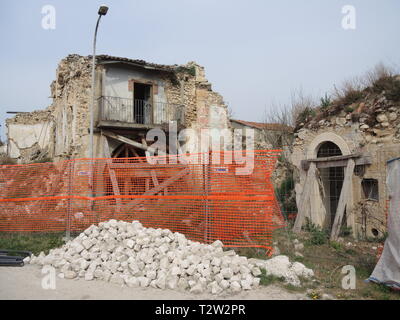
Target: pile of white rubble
127 253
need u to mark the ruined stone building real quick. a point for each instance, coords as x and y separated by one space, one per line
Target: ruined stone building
131 97
266 135
341 152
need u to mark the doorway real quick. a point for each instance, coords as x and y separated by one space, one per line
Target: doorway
332 180
142 100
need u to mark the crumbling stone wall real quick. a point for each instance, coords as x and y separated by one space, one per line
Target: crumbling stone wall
204 108
29 136
71 92
371 128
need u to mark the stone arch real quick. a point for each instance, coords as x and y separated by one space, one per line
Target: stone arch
324 137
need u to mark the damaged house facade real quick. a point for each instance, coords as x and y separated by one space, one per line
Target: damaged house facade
341 154
131 97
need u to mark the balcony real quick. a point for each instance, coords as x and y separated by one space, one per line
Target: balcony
134 113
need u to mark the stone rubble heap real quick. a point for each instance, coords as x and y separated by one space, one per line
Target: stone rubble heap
281 267
127 253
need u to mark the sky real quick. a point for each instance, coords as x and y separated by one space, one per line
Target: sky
256 53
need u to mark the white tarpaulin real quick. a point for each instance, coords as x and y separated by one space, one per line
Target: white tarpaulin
387 270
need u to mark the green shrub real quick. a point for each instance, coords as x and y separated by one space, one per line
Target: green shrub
306 114
390 85
189 70
349 109
266 280
348 92
31 242
351 97
345 231
336 245
318 236
285 196
325 101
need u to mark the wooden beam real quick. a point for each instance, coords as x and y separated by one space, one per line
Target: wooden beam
148 166
161 186
139 170
113 177
117 152
343 199
305 197
133 150
154 178
346 157
111 124
132 142
331 162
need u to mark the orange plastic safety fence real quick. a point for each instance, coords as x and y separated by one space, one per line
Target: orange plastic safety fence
231 199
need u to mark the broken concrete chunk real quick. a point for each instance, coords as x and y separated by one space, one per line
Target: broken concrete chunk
117 279
70 274
197 288
235 286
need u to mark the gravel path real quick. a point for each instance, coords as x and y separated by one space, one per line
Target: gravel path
25 283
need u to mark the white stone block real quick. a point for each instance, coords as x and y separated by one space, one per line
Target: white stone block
246 285
130 243
256 282
227 273
182 284
117 279
89 276
217 244
151 274
235 286
144 282
197 289
224 284
70 274
256 271
132 282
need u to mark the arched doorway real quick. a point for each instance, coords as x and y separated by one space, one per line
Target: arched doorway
125 150
124 181
332 180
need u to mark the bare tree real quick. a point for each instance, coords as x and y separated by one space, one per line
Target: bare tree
230 111
301 104
278 130
280 119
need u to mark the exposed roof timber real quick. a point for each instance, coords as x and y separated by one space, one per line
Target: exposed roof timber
264 126
135 65
106 59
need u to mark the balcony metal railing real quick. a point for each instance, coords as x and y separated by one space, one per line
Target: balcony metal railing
139 111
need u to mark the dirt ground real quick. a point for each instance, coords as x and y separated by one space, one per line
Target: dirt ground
25 283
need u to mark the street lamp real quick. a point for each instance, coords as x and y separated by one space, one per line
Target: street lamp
102 12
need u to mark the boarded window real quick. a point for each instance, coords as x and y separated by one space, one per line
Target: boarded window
370 189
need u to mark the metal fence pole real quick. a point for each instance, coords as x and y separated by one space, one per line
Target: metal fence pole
69 208
206 181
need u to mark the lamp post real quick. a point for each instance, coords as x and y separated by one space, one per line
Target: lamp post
102 12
